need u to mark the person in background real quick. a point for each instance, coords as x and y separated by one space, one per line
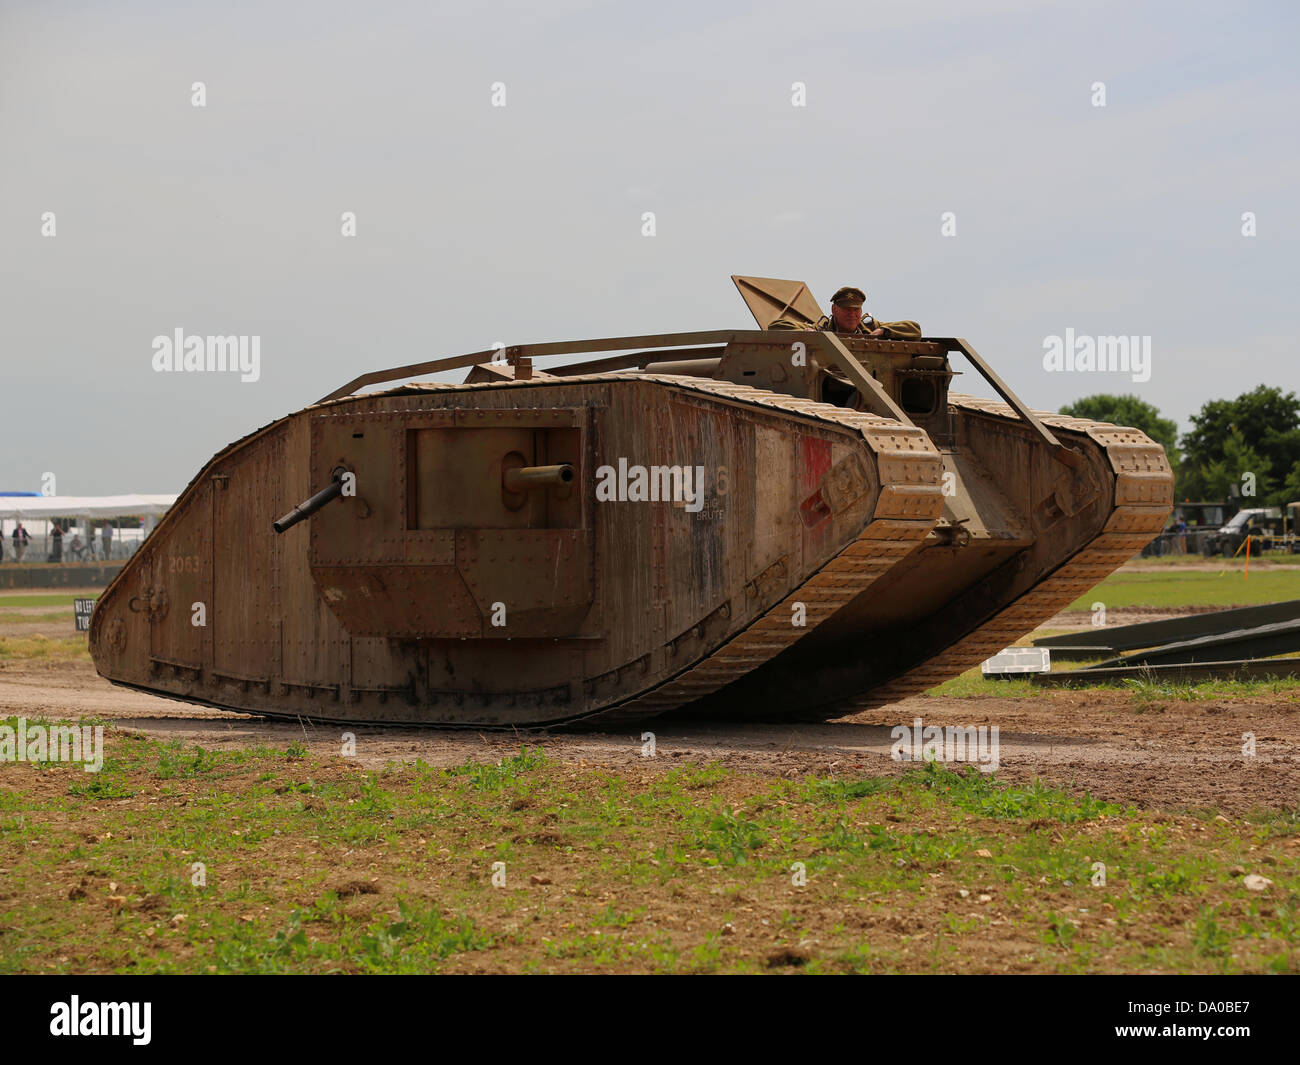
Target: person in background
108 541
21 540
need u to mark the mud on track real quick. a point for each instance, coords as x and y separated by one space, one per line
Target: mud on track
1159 754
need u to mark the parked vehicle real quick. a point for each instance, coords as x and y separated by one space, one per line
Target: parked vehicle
1264 526
1204 521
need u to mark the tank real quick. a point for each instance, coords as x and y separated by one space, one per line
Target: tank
735 525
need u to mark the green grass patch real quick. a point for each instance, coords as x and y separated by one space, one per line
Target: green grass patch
265 860
61 599
1148 691
45 648
1281 558
1229 587
38 619
973 684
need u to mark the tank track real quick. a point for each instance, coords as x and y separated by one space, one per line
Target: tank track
1143 493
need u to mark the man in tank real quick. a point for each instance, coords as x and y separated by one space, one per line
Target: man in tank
846 317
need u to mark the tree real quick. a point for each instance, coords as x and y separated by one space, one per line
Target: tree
1224 476
1129 411
1291 490
1268 423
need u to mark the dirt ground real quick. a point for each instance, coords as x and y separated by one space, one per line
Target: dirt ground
1117 615
1169 754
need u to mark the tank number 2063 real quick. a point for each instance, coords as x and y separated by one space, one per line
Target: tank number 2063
183 564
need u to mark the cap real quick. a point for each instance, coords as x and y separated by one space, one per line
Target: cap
849 295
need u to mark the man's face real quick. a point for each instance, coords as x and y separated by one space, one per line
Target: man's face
846 316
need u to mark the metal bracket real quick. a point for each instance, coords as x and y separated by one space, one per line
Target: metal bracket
868 387
712 337
1066 455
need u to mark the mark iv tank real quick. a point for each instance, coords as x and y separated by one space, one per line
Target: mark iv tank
735 525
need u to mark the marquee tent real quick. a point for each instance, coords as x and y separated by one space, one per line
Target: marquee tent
43 507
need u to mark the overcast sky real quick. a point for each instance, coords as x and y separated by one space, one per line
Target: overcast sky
523 223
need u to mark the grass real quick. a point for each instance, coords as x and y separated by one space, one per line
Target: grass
62 598
72 647
64 616
973 684
1146 690
180 859
1229 587
1282 558
45 648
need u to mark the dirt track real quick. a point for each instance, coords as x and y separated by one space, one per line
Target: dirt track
1168 754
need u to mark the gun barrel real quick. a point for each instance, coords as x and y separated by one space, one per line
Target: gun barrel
523 478
309 507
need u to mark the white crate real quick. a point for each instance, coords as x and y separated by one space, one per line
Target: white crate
1019 660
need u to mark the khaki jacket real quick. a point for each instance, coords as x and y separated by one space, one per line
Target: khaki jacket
903 330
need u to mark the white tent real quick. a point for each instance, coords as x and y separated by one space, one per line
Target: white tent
41 507
37 514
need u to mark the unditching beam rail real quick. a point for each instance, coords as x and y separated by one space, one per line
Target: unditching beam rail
1156 633
1246 669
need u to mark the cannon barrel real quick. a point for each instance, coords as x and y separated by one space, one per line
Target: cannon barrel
523 478
309 507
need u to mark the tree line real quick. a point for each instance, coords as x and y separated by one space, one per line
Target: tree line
1233 445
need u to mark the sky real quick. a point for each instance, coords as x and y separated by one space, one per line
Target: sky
127 212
